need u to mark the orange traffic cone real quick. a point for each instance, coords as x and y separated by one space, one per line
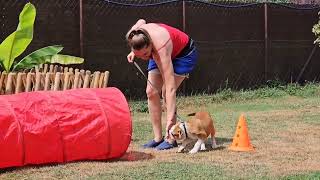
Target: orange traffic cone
241 140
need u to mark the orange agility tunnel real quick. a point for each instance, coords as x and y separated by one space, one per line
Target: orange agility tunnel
62 126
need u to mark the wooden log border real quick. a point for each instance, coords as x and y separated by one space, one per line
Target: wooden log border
51 78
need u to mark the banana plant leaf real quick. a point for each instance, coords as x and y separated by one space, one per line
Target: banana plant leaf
17 42
64 59
47 54
37 57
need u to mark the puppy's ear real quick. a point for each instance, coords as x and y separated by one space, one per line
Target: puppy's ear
173 129
171 137
180 133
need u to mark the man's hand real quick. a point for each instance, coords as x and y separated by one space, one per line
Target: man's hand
130 57
169 125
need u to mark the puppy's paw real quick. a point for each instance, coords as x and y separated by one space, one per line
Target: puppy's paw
214 146
203 147
193 151
180 151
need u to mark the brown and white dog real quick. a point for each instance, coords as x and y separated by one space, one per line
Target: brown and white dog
197 128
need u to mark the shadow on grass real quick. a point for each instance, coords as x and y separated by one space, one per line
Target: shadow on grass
135 156
7 170
222 141
221 144
128 156
29 166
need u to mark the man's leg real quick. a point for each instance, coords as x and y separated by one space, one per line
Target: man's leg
154 104
178 80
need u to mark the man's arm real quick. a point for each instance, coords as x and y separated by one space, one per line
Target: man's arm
170 87
139 23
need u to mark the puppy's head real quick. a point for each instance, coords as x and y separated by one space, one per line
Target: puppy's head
176 132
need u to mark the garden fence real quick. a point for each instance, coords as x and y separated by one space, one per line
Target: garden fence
47 78
241 45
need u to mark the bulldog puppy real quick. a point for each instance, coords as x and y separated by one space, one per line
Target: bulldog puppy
197 128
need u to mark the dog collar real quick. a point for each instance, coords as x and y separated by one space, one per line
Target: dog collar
185 129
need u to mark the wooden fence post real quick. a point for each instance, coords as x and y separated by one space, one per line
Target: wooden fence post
42 77
76 80
266 42
10 85
86 82
95 80
19 83
66 80
57 78
29 81
47 81
3 81
37 85
106 79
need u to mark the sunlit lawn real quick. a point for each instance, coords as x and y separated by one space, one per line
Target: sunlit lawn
283 127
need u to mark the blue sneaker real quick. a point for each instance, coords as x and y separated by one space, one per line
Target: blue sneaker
166 145
152 144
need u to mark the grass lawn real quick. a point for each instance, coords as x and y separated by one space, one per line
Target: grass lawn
284 128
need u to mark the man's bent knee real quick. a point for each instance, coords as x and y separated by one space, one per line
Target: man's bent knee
151 92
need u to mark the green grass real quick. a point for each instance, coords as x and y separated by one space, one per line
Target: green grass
311 176
165 170
141 131
283 123
227 105
313 119
274 91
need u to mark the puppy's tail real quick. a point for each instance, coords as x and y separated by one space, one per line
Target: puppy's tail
192 114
